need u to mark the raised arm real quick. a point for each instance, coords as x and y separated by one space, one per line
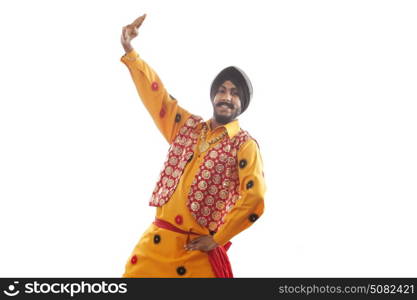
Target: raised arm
163 108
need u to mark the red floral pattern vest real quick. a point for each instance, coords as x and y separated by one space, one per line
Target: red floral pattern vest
215 187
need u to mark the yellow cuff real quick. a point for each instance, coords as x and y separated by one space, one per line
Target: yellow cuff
221 243
130 56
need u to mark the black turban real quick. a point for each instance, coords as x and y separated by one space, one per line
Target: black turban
239 78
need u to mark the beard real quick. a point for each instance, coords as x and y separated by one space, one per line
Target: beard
223 119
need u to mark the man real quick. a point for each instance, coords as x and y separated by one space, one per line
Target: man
211 186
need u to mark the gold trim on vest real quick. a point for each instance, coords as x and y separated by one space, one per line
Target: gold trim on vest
178 155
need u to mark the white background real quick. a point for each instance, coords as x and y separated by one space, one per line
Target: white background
334 111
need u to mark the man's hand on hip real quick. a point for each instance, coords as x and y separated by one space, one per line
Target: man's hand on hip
204 243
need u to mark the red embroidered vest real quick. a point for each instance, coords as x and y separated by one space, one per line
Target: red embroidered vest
215 187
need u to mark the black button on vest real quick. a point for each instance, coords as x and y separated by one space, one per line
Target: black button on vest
177 118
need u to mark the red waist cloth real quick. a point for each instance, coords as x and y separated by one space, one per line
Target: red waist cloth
218 258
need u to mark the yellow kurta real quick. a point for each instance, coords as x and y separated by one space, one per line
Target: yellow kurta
160 252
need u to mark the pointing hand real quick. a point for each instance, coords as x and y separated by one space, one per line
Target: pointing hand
130 31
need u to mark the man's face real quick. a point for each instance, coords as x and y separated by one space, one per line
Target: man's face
226 103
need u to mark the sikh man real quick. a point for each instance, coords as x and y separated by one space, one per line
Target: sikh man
211 186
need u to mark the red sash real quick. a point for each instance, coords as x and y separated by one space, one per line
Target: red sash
218 258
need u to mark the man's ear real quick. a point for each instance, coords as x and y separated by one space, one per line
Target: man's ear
240 110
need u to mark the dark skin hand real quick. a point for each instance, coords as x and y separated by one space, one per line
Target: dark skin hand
130 31
203 243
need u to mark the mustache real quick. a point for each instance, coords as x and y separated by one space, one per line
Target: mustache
230 105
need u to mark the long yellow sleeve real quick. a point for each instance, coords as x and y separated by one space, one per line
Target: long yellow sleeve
250 205
163 108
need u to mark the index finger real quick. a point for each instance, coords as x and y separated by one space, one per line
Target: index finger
194 241
139 20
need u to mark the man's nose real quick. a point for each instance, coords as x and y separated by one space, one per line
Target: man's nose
228 96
